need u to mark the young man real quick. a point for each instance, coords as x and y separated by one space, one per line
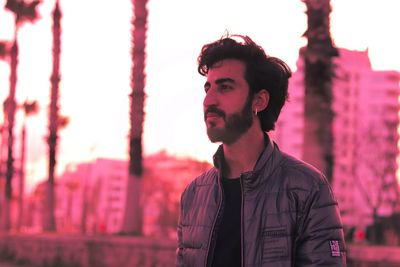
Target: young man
257 206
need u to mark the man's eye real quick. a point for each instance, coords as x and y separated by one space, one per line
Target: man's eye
225 87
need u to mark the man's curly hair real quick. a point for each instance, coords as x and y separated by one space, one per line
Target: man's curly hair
262 72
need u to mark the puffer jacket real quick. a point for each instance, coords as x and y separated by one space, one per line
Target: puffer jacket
289 215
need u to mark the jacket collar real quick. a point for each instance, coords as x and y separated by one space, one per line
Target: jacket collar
266 163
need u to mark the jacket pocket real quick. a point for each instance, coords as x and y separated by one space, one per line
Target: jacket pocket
275 243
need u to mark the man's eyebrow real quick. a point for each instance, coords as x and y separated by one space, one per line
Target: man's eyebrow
223 80
219 81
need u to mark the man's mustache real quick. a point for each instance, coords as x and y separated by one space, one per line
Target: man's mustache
214 110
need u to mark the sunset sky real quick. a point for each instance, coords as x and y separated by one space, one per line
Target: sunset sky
95 66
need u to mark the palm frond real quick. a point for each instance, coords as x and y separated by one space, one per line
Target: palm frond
23 11
3 49
31 107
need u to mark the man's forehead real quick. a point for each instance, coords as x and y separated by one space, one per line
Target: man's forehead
228 62
226 69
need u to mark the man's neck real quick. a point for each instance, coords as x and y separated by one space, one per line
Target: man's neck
242 155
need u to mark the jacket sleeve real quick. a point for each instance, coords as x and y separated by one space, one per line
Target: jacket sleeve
320 235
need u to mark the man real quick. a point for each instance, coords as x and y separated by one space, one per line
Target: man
257 206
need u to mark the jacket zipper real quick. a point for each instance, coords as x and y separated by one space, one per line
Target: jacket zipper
242 222
212 233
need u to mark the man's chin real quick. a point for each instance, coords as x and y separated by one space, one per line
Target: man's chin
217 135
214 135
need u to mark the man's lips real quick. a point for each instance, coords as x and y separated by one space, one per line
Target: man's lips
212 115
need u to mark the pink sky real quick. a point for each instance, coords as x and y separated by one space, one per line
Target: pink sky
96 62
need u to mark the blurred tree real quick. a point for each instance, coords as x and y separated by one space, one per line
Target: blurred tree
165 179
375 172
5 48
160 190
169 210
55 121
30 108
133 217
318 76
23 12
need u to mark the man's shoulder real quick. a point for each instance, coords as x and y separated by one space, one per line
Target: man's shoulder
206 178
295 168
201 183
301 172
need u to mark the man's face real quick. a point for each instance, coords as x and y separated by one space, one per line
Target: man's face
227 105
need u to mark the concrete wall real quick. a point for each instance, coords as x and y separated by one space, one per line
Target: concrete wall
117 251
99 251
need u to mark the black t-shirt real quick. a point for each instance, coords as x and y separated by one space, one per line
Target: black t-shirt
228 247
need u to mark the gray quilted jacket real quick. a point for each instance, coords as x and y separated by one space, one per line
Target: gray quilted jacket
289 215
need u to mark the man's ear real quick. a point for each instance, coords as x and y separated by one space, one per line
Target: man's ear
260 100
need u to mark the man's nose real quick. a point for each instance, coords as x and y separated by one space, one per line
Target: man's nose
210 99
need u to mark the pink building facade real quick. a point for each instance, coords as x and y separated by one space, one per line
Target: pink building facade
91 196
366 122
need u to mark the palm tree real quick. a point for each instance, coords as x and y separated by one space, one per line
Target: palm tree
318 54
133 209
4 207
10 110
22 12
49 223
30 108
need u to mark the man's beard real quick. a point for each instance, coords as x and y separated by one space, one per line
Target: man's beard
236 125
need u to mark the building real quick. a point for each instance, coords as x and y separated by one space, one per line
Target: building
366 107
91 196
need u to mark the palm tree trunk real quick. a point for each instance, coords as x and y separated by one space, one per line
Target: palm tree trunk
11 108
318 136
30 108
22 12
133 209
49 223
22 178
